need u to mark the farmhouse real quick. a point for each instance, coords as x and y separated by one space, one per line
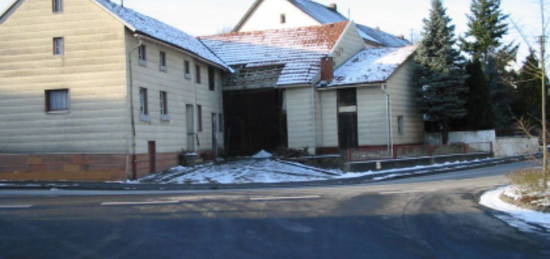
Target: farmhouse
91 90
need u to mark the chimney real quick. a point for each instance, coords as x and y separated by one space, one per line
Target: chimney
327 69
333 7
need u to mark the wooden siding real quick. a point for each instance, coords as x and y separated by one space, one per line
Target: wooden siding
300 117
348 45
372 116
328 119
92 68
171 136
403 103
268 16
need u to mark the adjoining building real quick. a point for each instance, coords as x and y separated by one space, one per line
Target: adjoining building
94 91
91 90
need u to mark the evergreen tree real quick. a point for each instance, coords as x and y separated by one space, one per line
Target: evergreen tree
480 114
483 41
528 92
486 27
440 75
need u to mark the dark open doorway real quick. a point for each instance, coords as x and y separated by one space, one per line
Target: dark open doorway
255 120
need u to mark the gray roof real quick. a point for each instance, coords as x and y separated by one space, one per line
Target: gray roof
326 15
154 28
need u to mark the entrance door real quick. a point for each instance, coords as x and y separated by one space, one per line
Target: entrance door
190 118
152 156
347 129
215 133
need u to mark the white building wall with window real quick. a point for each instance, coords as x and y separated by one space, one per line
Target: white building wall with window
91 66
169 131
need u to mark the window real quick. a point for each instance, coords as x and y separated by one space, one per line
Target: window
162 61
211 78
220 122
347 97
142 52
400 125
283 18
57 100
58 46
164 106
186 69
57 6
143 105
199 117
197 74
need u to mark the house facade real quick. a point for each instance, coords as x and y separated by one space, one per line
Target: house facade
94 91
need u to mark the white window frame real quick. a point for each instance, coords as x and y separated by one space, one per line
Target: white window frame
144 105
57 6
49 106
58 46
187 69
142 55
163 61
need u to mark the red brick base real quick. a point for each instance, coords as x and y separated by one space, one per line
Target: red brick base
79 167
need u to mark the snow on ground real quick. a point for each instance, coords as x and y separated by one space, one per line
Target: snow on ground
524 219
262 168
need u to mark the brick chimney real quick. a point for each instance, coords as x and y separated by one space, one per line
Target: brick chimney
333 6
327 69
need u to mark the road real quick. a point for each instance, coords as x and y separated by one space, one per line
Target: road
433 216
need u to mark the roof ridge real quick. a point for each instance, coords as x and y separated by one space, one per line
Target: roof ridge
272 30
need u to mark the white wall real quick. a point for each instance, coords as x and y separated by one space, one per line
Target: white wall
372 120
300 118
514 146
268 16
463 137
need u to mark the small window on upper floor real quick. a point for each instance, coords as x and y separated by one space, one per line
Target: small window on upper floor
186 69
197 74
211 78
57 6
283 18
57 100
142 53
164 106
162 61
58 46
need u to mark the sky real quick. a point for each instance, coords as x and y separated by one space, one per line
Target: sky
400 17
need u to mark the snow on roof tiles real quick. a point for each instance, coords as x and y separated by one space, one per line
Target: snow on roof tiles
371 65
298 49
325 15
161 31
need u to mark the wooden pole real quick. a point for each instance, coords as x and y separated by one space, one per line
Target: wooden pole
543 80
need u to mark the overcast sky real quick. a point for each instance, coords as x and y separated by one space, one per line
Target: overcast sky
400 17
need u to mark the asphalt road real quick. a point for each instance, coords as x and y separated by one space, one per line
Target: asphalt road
434 216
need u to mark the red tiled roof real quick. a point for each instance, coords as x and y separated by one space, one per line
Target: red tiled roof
298 49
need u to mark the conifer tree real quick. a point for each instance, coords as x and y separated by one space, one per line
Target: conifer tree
480 115
528 93
440 74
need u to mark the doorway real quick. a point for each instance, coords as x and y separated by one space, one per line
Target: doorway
347 118
190 119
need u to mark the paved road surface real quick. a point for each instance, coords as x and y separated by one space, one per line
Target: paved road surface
424 217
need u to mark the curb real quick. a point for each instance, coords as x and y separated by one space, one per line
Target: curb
35 185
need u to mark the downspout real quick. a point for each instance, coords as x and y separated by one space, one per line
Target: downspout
389 133
132 116
314 112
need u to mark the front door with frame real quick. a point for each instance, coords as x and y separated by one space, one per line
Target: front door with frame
190 119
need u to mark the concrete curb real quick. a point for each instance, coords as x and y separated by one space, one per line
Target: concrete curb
34 185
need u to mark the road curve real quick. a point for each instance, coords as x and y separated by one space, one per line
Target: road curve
434 216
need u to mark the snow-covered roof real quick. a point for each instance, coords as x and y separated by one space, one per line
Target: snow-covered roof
154 28
299 50
381 37
371 66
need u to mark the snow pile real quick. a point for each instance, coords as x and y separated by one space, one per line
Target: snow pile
262 154
250 171
515 216
371 65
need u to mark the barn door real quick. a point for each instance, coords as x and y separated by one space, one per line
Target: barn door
347 118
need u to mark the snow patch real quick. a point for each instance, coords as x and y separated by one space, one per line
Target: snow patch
523 219
262 154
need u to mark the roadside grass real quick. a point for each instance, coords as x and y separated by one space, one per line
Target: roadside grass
527 189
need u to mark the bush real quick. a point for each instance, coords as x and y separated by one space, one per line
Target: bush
529 180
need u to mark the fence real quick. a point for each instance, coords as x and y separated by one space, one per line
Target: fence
412 151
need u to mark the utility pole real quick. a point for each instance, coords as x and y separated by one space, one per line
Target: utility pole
543 80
